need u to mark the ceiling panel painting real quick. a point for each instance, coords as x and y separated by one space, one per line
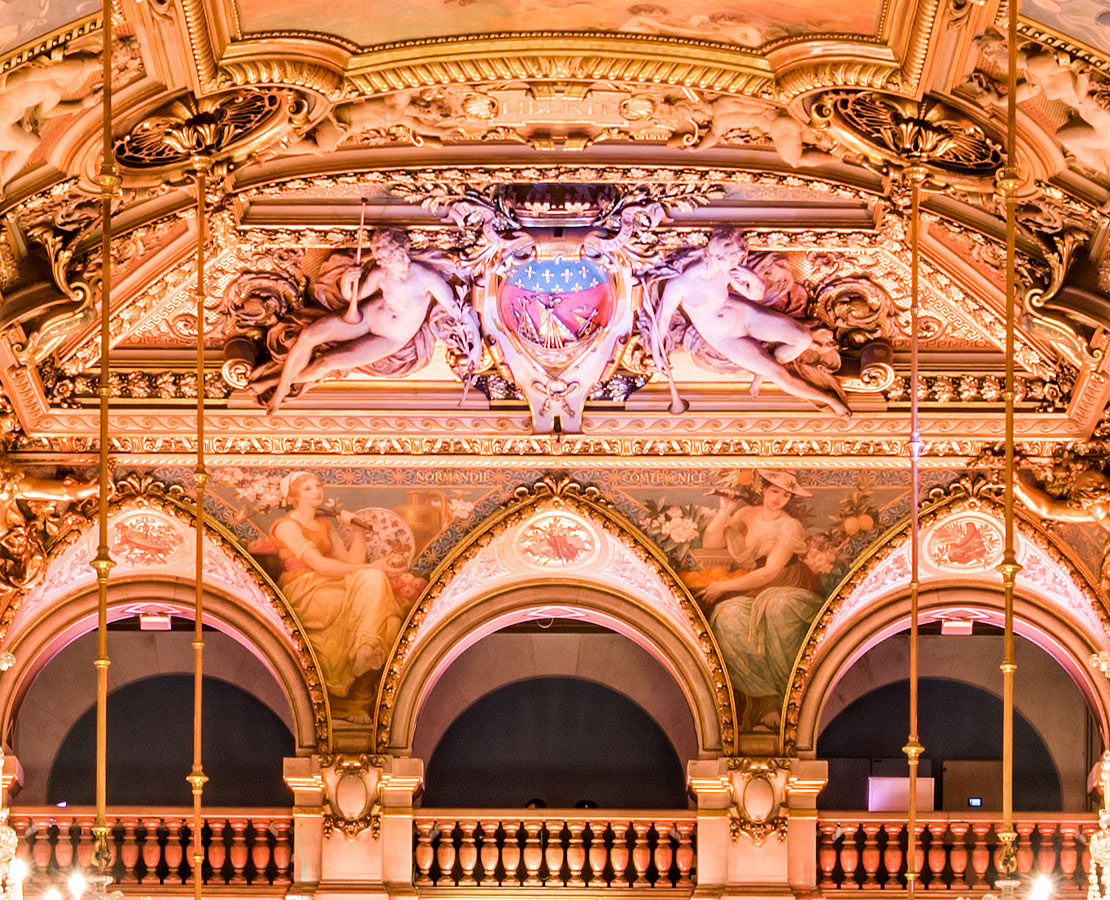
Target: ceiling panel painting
744 24
1087 21
23 21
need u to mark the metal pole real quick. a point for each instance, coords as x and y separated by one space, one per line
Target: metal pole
196 777
913 749
109 182
1008 184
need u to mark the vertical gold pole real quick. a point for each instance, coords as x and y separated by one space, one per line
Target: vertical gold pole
913 749
109 182
1008 183
197 777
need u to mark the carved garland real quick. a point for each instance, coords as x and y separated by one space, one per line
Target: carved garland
971 488
585 499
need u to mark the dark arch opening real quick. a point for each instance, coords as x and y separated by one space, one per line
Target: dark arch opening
562 740
958 721
150 748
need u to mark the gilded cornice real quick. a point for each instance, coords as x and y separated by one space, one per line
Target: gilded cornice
574 56
43 45
307 63
1042 34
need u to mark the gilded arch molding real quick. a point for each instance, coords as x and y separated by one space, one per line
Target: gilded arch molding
429 640
872 595
74 614
240 577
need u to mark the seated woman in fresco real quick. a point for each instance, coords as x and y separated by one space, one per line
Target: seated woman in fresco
346 605
761 617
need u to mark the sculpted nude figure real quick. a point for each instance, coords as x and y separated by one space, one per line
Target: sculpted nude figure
38 89
720 297
401 292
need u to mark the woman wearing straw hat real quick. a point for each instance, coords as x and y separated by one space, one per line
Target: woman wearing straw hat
761 617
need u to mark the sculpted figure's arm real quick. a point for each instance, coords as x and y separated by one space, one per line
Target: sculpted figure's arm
31 488
1045 505
747 284
443 294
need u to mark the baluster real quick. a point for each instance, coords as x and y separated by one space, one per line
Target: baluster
980 854
468 852
258 852
619 855
938 853
576 853
1069 855
424 854
84 846
664 855
641 853
489 853
128 851
1046 852
510 854
175 851
445 854
597 854
958 857
1024 847
151 849
1083 842
218 858
919 851
283 851
63 849
893 855
849 858
870 854
533 852
553 854
826 852
237 853
684 855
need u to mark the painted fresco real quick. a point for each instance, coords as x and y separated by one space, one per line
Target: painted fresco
350 555
760 549
748 24
22 21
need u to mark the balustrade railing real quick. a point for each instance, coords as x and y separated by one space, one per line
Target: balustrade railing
867 851
151 847
554 848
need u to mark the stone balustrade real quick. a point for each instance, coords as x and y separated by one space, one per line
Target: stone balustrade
151 847
640 849
861 852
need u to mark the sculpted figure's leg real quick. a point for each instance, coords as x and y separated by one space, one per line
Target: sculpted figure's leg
750 355
351 355
17 146
771 327
295 363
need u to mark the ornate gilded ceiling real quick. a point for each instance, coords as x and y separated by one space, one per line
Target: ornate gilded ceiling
527 232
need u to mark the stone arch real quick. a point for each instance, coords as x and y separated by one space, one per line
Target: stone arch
618 580
1055 606
75 614
609 660
234 581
